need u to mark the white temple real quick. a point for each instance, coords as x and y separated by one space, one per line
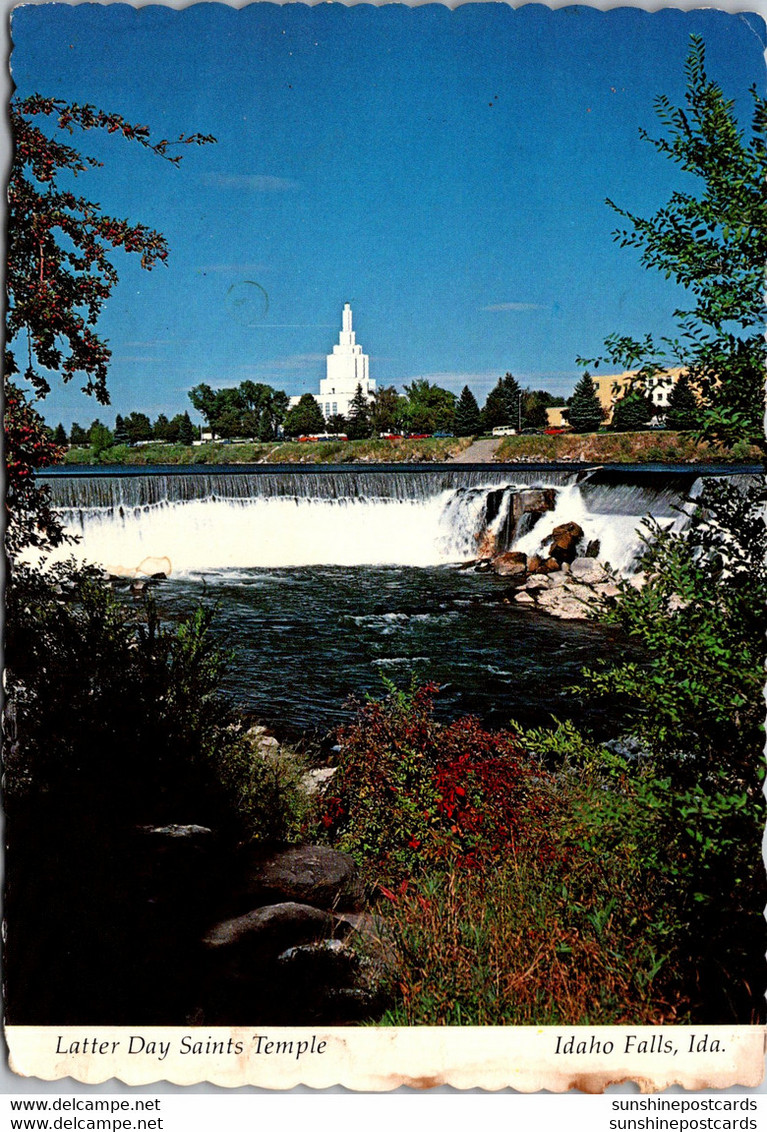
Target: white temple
347 367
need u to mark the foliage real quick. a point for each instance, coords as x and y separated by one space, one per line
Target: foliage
250 409
468 421
684 411
430 408
78 436
387 410
527 945
632 412
59 273
714 245
504 404
304 418
411 791
535 402
58 277
359 424
585 411
32 522
111 709
701 617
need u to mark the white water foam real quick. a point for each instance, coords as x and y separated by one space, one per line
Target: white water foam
205 534
230 534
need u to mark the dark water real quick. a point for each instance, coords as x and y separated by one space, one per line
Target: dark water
305 640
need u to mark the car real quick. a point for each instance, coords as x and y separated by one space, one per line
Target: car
555 431
442 434
419 436
504 430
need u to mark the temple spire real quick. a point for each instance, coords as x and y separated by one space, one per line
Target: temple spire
347 319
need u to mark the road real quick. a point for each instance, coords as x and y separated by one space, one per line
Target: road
480 452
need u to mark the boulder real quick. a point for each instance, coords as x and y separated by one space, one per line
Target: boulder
552 565
536 565
568 603
588 571
316 781
537 582
534 500
246 942
563 541
606 589
512 563
593 548
307 874
524 598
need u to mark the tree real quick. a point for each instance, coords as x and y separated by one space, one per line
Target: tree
58 270
337 423
304 418
28 447
359 424
535 402
585 411
138 427
160 428
78 437
714 245
100 437
503 405
429 407
467 421
683 413
121 432
60 436
387 409
632 412
186 430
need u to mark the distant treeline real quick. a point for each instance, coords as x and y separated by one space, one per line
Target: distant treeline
255 411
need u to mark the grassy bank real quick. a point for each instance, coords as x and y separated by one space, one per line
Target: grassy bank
431 450
623 448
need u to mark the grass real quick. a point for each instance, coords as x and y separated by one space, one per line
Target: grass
431 450
526 945
622 448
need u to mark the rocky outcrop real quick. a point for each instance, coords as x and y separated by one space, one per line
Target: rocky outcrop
563 542
572 593
309 874
511 564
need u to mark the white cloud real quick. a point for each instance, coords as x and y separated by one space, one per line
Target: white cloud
516 307
249 182
232 268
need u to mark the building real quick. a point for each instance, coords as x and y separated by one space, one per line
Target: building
610 387
346 368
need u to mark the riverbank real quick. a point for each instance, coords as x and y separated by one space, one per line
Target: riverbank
399 451
622 448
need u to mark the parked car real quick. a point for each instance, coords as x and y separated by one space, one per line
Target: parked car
504 430
442 434
419 436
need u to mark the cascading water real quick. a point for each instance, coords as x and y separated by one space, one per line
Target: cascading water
420 517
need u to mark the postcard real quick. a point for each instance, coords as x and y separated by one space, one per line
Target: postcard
385 613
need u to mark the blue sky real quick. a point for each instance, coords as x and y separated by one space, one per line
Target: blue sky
444 171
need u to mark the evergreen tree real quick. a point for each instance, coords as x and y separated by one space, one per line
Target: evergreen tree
386 410
60 435
632 412
186 430
78 437
684 411
585 411
337 423
503 404
304 418
161 427
121 432
359 427
138 426
467 421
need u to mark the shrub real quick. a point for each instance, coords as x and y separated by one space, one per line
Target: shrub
411 791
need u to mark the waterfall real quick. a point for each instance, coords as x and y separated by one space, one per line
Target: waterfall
225 519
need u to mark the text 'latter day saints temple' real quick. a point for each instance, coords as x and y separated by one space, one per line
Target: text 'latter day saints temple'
347 367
